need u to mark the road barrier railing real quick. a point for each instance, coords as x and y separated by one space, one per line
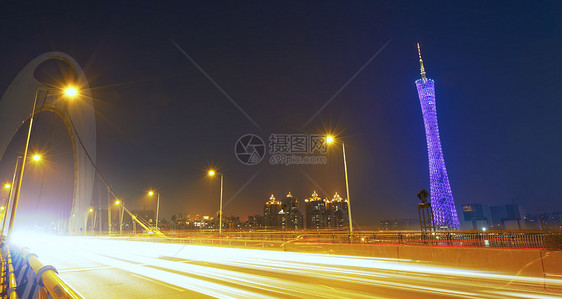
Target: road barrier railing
8 280
36 280
490 239
205 241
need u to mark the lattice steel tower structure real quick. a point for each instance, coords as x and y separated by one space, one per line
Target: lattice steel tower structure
441 197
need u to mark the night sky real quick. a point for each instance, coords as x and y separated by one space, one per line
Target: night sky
162 123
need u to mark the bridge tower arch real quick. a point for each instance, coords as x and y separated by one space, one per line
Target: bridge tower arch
78 116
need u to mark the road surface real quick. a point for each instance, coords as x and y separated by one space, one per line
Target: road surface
101 268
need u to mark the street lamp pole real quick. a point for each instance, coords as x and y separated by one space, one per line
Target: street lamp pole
157 209
7 208
151 193
18 187
330 139
108 212
220 210
347 191
118 203
212 173
121 219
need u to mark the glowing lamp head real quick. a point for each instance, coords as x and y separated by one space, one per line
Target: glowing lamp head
211 172
7 186
36 158
2 208
71 91
329 139
150 193
91 210
117 202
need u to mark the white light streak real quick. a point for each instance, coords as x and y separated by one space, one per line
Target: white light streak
245 273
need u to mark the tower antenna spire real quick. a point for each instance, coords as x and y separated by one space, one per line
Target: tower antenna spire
422 70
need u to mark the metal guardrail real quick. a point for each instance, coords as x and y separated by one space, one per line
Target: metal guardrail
8 279
208 241
490 239
36 280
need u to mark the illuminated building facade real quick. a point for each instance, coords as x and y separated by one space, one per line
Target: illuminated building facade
326 213
271 211
291 217
337 208
442 201
316 212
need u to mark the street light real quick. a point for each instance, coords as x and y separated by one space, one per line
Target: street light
151 193
71 91
212 173
36 158
7 186
117 202
330 140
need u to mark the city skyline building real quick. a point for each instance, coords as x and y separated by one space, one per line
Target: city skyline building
338 215
271 212
476 216
325 213
509 217
316 212
441 196
291 216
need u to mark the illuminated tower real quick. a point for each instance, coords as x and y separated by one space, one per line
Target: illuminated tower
442 202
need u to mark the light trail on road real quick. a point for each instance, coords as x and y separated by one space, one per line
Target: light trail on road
105 268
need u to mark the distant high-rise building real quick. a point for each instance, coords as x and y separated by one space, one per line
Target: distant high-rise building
326 213
514 220
337 212
499 214
509 217
291 217
231 222
316 212
477 215
255 221
441 196
514 212
271 213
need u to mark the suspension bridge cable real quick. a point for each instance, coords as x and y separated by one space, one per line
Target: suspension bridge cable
109 189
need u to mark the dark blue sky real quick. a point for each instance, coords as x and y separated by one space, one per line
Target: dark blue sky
161 122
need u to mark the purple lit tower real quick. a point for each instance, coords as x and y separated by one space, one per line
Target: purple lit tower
442 202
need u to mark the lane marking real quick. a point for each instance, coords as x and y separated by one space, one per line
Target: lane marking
159 283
